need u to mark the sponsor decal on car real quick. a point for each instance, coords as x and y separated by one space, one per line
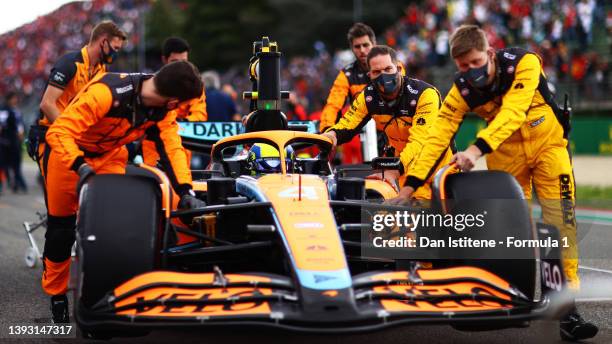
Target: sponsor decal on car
305 225
169 309
465 288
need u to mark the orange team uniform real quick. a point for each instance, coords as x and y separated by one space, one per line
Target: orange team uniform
94 129
70 73
194 111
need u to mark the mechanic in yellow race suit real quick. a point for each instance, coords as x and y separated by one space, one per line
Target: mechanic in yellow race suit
526 136
90 136
351 80
403 108
177 49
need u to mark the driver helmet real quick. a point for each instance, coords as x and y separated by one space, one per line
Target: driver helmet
264 158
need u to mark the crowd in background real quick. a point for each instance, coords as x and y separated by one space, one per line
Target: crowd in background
29 52
563 33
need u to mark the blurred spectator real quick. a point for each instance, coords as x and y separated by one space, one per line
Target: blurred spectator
28 53
12 138
220 106
579 66
294 110
585 9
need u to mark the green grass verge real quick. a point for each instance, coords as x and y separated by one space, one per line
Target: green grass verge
594 196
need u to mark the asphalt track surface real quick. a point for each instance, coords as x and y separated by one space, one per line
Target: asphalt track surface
23 301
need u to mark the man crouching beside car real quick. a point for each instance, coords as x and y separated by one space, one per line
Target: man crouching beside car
89 137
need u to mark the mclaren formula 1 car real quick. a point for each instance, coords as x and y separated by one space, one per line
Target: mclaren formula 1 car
284 248
287 241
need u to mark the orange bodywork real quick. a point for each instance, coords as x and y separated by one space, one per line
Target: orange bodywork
382 187
249 308
309 227
178 293
472 287
444 306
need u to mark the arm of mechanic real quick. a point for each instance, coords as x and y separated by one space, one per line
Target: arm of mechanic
171 153
439 137
83 112
515 103
351 123
197 109
59 78
425 114
511 116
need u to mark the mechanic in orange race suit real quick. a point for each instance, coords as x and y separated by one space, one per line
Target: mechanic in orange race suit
352 79
526 136
90 137
403 108
177 49
68 76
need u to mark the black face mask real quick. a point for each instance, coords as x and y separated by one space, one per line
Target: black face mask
388 82
109 57
478 77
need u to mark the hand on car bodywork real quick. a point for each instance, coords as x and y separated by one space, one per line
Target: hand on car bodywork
390 176
403 197
190 201
332 136
466 160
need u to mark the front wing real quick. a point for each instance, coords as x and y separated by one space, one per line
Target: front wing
376 300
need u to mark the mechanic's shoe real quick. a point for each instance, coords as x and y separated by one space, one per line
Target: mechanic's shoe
573 327
59 309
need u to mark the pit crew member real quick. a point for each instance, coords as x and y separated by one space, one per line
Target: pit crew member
177 49
526 136
90 137
403 108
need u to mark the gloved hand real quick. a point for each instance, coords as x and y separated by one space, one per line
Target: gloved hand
189 201
85 172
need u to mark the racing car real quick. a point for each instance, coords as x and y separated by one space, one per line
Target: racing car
283 242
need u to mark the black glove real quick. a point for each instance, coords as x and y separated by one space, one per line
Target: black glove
189 201
85 172
36 135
